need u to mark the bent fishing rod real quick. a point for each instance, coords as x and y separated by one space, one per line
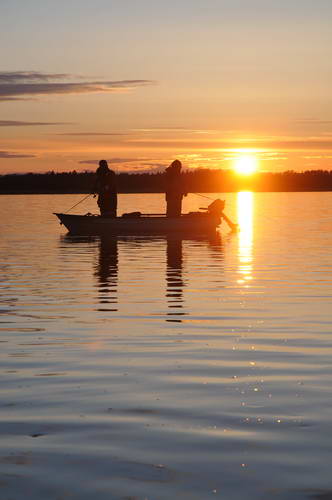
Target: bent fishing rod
90 194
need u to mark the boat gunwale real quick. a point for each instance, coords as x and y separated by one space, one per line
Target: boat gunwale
91 217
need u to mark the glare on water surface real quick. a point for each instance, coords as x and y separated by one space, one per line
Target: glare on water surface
245 203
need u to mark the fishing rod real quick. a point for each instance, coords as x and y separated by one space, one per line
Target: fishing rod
232 225
203 196
90 194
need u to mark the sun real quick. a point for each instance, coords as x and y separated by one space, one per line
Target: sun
246 165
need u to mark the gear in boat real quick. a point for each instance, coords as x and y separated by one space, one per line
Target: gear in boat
215 208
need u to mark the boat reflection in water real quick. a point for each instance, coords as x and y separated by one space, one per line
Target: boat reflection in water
106 267
106 272
174 279
245 210
175 273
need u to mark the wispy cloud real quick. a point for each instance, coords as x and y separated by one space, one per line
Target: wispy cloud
132 164
91 133
163 129
28 76
16 123
313 121
21 85
184 130
299 144
112 161
310 143
8 155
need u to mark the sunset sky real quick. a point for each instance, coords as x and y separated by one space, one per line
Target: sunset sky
142 82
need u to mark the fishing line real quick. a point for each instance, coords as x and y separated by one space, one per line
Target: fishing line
203 196
78 203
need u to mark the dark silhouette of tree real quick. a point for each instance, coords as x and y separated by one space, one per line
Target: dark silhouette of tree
199 180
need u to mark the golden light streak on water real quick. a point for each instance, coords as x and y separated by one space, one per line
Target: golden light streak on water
245 210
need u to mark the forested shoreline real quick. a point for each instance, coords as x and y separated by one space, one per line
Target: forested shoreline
200 180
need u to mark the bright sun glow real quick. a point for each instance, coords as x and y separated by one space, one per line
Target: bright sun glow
246 165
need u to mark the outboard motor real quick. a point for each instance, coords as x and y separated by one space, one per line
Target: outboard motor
216 207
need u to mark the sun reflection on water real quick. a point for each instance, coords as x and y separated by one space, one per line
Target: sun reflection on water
245 205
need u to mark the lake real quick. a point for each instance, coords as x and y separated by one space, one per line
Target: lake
151 368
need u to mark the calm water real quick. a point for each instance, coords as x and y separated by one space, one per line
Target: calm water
159 369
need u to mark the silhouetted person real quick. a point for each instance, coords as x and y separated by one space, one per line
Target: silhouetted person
174 189
106 188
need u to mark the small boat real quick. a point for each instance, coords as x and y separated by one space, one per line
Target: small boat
192 223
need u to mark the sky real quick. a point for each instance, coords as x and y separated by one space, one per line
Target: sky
142 82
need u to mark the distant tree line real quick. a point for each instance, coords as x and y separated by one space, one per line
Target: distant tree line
200 180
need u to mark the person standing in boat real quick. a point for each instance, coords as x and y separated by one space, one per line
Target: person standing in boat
106 189
175 189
